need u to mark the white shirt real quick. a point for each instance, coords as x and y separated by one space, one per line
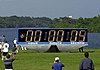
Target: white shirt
0 46
5 48
15 41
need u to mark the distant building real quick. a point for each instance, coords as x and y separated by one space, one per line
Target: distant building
69 16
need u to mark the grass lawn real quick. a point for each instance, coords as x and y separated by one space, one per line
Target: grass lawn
29 60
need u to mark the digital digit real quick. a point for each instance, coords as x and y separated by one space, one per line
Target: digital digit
37 36
60 35
82 35
74 34
29 36
51 36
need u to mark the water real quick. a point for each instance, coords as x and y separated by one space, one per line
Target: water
11 33
94 40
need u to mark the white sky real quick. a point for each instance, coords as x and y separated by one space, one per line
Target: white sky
50 8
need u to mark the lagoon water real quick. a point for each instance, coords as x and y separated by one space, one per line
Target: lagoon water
11 33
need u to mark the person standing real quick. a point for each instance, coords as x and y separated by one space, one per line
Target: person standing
15 44
57 64
5 49
86 63
8 62
3 39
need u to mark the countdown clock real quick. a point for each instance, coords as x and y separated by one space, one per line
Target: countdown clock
41 39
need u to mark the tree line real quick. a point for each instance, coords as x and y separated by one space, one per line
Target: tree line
93 23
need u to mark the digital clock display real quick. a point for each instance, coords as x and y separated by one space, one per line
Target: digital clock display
52 35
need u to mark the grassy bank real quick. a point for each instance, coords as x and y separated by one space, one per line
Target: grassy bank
29 60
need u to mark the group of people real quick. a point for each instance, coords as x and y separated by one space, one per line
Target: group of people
4 53
4 48
85 64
